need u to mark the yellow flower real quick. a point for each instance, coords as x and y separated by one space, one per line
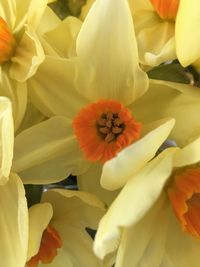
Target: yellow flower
57 229
94 87
21 51
162 217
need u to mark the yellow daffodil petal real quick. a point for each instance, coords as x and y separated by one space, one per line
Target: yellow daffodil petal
48 152
117 171
188 155
156 43
73 211
17 93
28 56
13 223
149 182
177 100
35 12
55 94
39 218
187 32
138 5
6 139
90 182
107 54
65 47
146 239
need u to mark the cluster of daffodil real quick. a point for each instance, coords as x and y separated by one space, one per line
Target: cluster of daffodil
110 97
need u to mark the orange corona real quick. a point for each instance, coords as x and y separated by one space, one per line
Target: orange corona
50 242
7 42
104 128
185 198
166 9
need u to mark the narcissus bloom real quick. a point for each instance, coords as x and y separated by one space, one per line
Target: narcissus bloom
168 187
20 50
57 229
95 88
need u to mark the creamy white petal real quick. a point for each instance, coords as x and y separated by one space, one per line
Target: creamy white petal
13 223
107 54
48 152
149 182
117 171
35 12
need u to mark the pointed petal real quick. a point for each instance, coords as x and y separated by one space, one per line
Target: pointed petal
107 54
149 182
187 32
55 94
13 223
39 218
6 139
28 56
48 152
117 171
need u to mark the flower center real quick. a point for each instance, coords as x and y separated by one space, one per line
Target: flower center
7 42
185 199
104 128
166 9
50 242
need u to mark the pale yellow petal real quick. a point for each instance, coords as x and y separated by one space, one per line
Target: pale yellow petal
117 171
145 240
168 99
28 56
155 38
17 93
13 223
55 94
137 5
39 218
90 182
65 47
108 64
48 152
187 32
6 139
73 211
149 182
35 12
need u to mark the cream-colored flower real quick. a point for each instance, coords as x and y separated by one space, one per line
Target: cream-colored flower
101 76
57 229
156 212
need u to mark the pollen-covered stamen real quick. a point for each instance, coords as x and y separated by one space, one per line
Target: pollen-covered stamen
110 126
50 242
166 9
104 128
185 199
7 42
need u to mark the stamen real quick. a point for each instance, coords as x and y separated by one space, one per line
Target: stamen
185 199
104 128
50 242
7 42
166 9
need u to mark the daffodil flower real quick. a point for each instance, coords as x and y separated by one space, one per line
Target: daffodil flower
94 87
57 229
21 51
155 213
